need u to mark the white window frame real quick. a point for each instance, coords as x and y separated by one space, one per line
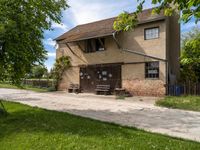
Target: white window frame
151 33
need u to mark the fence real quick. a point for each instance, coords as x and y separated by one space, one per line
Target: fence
43 83
184 89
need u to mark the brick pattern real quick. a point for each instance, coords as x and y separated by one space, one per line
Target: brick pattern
145 87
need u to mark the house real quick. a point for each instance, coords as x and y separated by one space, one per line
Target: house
142 61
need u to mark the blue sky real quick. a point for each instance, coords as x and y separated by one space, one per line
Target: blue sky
84 11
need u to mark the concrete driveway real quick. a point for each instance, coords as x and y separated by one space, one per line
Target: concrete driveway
137 112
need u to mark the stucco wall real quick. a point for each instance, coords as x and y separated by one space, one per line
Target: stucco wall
133 77
70 76
133 40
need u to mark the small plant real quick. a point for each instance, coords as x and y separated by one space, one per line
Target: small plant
120 97
61 65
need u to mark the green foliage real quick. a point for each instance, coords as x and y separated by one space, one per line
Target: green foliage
190 56
61 65
38 72
183 102
125 21
37 129
189 9
22 24
26 87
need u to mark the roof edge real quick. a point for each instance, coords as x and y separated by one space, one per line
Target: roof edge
140 22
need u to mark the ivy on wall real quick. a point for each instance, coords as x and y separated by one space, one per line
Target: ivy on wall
61 65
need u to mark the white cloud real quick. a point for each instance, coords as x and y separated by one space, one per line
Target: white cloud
50 42
51 54
84 11
61 26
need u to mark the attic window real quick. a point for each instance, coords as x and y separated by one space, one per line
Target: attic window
100 44
151 33
93 45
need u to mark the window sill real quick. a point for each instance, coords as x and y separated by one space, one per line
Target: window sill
152 78
94 52
151 39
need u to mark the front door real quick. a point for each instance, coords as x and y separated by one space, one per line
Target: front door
109 75
87 79
100 75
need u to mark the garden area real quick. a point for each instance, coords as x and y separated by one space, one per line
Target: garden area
34 128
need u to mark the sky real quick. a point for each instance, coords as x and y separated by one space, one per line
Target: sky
85 11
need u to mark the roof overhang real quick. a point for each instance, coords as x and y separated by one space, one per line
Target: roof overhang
84 38
77 37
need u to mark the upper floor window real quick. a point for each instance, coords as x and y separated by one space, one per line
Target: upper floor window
151 33
93 45
100 44
152 70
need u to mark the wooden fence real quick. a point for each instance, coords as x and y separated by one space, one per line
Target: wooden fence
184 89
43 83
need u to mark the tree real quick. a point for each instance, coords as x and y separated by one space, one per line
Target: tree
190 56
22 24
61 65
189 9
38 71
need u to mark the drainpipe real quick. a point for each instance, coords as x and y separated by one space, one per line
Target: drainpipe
143 54
116 41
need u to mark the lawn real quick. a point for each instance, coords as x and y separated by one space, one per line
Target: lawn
33 128
36 89
183 102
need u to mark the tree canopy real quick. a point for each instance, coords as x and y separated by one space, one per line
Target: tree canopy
22 24
38 72
190 55
189 8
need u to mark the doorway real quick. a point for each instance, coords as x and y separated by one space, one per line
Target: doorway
94 75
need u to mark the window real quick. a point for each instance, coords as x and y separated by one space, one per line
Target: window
100 44
152 70
151 33
93 45
89 47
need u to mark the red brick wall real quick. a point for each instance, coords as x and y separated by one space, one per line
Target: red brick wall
145 87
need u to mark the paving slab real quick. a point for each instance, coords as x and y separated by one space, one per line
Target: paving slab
137 112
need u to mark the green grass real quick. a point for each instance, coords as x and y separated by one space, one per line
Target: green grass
10 86
33 128
186 103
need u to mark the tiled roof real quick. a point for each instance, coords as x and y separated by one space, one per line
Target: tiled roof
103 27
